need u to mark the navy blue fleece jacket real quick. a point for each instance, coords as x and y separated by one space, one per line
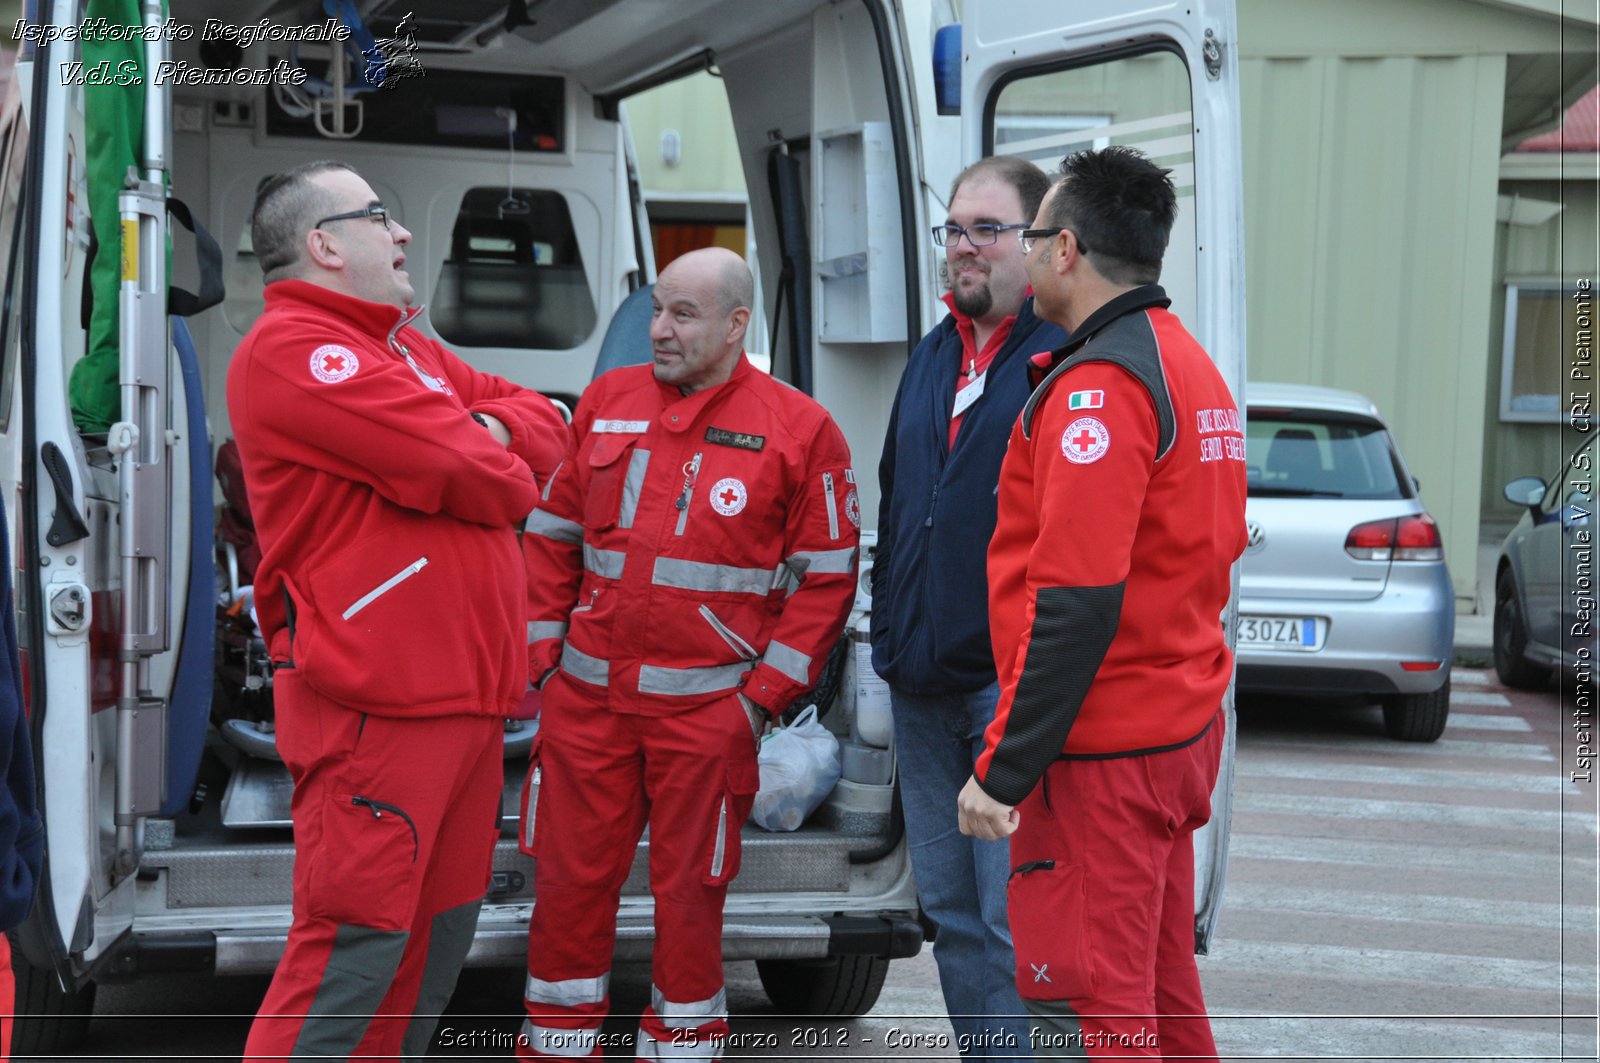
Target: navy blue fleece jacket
930 613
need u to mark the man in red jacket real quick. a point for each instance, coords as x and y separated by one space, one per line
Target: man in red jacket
387 479
1121 512
690 568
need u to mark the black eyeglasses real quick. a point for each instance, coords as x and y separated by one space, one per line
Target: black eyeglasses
1027 237
980 235
376 211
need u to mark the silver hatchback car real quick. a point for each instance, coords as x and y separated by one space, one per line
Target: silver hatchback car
1343 587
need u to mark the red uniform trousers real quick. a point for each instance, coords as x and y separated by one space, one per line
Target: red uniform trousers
395 821
604 774
1101 902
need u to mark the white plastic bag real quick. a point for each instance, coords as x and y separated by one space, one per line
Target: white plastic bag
799 767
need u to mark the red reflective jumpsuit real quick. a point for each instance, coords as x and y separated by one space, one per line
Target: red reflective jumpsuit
390 595
690 548
1121 511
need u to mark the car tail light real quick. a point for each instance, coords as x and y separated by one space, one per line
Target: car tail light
1414 538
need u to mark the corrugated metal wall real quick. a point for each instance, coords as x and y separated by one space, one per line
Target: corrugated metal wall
1369 196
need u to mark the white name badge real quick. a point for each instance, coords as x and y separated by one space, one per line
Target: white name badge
968 395
621 427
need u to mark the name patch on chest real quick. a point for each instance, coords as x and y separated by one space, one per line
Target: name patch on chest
743 440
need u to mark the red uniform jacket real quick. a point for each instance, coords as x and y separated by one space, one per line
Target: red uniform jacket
390 575
693 546
1121 512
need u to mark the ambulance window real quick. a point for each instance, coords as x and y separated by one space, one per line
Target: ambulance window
514 274
14 153
1139 101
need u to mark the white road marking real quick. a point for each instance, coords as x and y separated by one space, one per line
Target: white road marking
1475 721
1348 964
1374 773
1444 748
1433 812
1542 867
1406 907
1477 697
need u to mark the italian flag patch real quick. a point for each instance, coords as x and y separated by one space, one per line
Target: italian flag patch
1086 400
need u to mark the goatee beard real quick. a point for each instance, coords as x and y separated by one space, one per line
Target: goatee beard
974 302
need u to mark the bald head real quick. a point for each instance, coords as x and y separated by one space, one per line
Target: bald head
722 271
702 304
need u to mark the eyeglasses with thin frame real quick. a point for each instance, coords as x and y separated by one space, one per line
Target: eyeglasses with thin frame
1028 237
376 211
981 235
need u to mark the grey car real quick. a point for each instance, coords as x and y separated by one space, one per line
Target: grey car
1343 587
1544 589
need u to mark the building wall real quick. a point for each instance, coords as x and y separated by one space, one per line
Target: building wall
1562 249
1372 136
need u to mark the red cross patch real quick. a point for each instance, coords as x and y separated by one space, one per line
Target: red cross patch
332 363
728 497
1085 440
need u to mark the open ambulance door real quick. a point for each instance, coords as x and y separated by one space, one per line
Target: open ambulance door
105 584
1042 79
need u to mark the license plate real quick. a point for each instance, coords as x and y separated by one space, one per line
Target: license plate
1278 632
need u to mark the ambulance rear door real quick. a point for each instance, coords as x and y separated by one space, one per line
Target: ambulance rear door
1043 79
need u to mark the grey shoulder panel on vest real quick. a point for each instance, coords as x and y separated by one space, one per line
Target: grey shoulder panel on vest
1130 343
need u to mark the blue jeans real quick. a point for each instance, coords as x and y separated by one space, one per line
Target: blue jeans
961 881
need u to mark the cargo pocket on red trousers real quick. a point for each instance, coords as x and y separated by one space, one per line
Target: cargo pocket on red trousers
1047 906
527 836
366 872
743 778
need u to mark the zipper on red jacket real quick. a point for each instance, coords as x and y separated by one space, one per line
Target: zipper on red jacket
731 637
406 317
385 587
691 473
833 510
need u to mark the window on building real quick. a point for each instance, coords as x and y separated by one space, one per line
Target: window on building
514 275
1540 333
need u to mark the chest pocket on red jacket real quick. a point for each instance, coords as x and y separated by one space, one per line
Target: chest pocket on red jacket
609 461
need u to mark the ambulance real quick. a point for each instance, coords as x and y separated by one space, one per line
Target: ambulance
498 132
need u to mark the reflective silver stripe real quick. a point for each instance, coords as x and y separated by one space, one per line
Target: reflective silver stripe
552 1041
718 677
542 522
632 486
385 587
607 564
730 636
822 562
568 992
580 665
788 660
833 512
530 814
539 630
675 1016
701 576
621 428
720 851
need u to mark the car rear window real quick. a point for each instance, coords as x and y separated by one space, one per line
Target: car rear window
1296 454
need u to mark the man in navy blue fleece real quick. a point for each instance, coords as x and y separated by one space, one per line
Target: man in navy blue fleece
21 831
960 394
